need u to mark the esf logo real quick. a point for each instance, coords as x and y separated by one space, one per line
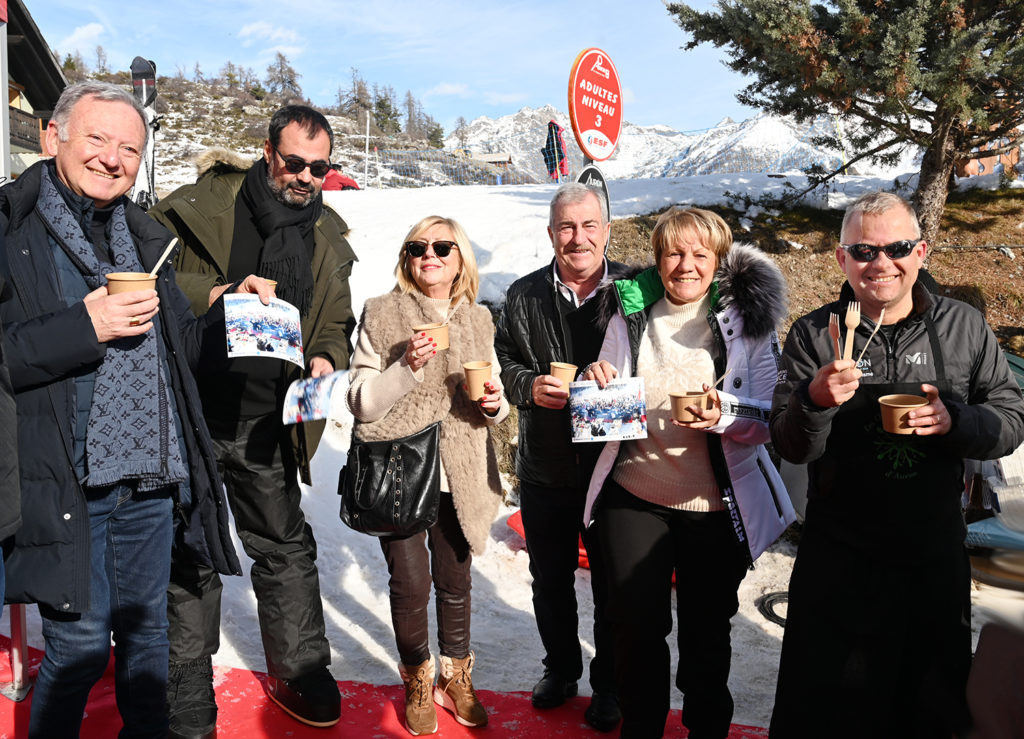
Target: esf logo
597 140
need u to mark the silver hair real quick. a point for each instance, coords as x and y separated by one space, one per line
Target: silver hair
875 203
576 192
104 91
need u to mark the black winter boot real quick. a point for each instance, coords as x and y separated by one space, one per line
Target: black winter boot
191 703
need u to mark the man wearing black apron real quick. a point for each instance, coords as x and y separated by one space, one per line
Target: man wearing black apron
878 638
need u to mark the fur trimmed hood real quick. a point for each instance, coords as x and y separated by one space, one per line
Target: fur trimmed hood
219 159
747 280
752 283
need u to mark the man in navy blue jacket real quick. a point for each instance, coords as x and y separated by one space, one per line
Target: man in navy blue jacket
116 464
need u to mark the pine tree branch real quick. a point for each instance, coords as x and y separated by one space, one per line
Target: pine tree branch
819 180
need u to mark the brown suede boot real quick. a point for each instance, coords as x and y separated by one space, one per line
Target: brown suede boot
420 716
454 691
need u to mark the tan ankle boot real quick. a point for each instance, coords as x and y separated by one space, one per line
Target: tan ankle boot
454 691
420 716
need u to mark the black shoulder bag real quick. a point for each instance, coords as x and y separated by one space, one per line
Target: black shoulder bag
392 488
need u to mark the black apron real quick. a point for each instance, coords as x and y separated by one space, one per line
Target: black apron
877 638
872 489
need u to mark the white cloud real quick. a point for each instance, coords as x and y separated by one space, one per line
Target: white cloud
263 31
505 98
83 39
627 95
457 89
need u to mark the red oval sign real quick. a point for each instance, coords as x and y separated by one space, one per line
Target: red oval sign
595 104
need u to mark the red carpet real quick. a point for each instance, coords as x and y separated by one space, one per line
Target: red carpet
367 711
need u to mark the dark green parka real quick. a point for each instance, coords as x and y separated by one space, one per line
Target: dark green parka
202 215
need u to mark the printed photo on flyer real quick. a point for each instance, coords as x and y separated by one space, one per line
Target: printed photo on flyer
257 330
616 413
310 399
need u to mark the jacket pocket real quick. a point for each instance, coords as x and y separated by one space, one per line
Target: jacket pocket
771 488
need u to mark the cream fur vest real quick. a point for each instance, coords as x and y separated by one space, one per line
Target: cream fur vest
466 449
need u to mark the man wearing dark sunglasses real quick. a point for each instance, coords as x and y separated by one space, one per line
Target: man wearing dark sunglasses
267 218
883 530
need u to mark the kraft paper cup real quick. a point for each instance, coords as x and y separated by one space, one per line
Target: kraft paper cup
563 371
681 400
439 332
477 373
895 409
126 282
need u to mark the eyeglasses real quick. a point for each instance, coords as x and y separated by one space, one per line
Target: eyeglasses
293 164
418 248
867 252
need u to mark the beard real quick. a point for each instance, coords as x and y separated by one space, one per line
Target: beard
293 198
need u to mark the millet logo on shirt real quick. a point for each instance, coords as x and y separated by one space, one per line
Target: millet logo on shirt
916 358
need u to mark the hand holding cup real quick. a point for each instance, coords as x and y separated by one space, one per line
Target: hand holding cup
420 350
913 414
552 391
477 375
118 316
438 332
696 410
490 401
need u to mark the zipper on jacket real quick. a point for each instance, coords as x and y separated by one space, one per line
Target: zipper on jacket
890 356
771 488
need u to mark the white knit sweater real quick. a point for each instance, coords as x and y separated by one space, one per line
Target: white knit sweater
671 467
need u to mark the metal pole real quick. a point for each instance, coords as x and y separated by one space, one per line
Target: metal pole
366 152
5 115
20 684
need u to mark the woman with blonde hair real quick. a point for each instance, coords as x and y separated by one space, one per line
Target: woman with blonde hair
699 498
401 382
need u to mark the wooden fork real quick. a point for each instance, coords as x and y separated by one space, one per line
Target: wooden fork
852 322
833 331
878 325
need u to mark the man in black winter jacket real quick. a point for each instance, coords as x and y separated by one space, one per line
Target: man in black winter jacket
115 460
549 316
878 635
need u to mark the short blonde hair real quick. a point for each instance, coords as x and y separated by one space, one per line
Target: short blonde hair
467 281
714 232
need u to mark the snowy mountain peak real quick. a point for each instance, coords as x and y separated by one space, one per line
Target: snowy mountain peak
764 143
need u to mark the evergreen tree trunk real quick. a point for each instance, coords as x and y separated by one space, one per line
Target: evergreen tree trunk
933 183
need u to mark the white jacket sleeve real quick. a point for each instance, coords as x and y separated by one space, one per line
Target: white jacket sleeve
755 363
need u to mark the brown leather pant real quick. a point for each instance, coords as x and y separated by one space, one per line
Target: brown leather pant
412 569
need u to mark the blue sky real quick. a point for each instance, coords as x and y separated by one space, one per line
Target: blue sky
458 57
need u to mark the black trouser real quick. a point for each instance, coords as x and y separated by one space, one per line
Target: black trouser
553 523
643 543
412 570
875 645
263 490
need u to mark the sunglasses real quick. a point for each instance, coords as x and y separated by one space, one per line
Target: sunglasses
867 253
293 164
418 248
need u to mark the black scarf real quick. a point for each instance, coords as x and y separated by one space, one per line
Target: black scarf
284 229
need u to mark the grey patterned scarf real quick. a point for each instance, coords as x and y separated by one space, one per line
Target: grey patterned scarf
130 435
